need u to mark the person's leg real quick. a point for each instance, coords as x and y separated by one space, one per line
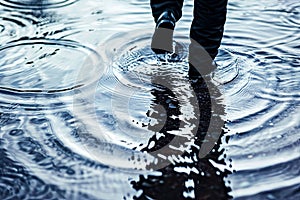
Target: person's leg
160 6
166 13
208 24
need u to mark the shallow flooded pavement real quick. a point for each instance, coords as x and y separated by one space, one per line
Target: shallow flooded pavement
83 99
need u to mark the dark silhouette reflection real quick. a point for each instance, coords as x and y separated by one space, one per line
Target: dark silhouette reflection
207 180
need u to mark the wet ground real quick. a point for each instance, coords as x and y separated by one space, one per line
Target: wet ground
79 104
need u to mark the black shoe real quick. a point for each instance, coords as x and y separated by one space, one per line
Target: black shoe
162 40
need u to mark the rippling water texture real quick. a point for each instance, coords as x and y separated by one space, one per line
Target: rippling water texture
78 107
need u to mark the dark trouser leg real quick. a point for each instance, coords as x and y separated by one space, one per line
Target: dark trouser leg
159 6
165 13
208 25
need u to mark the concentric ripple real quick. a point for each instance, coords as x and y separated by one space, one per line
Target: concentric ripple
47 162
278 24
117 128
14 25
38 72
262 110
32 5
76 120
88 144
263 101
39 65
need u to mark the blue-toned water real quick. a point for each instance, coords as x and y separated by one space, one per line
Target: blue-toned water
78 107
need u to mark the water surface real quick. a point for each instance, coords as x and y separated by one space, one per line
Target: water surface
76 101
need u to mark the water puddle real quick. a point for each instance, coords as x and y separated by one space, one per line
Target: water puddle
88 111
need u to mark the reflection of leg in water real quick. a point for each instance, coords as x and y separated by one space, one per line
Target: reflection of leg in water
165 123
165 14
189 177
